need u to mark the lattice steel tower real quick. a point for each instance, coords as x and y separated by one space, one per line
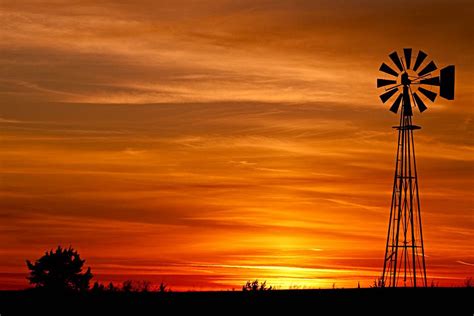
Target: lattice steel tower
404 262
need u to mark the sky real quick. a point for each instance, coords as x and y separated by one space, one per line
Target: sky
207 143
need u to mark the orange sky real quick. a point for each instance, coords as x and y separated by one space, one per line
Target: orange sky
205 143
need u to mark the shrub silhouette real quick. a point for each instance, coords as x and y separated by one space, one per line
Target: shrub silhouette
136 286
112 288
98 288
163 288
59 270
468 282
256 286
127 286
378 283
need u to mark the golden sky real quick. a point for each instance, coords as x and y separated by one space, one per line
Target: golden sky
205 143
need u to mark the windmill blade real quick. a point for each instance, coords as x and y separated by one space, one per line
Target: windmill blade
385 82
419 60
419 102
385 68
396 104
407 53
406 102
396 60
434 81
427 93
387 95
428 68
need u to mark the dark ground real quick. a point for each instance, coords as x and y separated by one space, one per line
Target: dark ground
402 301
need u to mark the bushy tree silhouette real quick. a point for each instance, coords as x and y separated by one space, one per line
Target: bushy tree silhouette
60 270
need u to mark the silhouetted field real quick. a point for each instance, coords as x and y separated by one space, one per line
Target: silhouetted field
436 301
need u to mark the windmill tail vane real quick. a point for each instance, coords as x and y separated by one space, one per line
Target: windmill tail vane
410 82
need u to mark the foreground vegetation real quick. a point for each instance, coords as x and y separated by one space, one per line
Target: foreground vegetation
62 287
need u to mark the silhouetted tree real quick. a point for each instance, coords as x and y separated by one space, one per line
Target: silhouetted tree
256 286
59 270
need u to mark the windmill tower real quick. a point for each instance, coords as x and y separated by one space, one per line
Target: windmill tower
404 262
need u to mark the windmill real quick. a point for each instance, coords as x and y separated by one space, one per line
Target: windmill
410 82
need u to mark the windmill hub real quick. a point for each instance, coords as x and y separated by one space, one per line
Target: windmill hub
405 80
